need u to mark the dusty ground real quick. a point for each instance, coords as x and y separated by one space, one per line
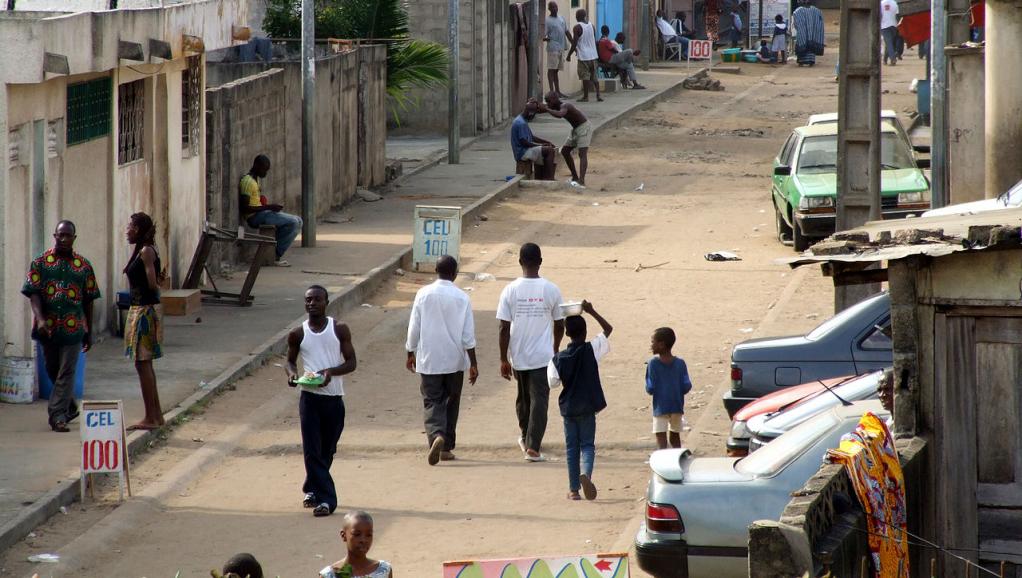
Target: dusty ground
229 479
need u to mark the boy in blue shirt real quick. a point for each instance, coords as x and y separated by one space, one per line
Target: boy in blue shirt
667 381
581 398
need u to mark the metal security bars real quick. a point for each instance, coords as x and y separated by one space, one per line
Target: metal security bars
88 110
130 121
191 101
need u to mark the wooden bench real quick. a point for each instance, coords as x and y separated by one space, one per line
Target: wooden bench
248 252
526 169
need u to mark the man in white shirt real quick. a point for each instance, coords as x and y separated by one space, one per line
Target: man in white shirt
441 345
889 30
668 34
531 330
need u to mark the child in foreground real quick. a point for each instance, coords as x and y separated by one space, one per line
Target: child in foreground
667 381
582 397
357 534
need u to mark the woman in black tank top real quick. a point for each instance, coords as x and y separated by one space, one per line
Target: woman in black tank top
143 331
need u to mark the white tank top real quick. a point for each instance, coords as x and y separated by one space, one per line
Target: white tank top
586 46
321 351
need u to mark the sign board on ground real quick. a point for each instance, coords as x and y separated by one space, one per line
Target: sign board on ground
761 25
437 233
700 50
103 440
591 566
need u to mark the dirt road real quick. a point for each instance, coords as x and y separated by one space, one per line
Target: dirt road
229 479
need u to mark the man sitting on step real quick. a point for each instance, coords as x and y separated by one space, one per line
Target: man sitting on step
530 148
257 211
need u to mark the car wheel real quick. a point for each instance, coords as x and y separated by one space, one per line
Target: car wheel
799 241
783 230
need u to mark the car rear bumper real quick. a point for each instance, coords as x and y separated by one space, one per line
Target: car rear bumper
662 559
732 403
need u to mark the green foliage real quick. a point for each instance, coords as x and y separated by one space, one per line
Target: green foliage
410 63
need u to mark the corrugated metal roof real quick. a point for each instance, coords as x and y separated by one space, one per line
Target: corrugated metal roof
930 236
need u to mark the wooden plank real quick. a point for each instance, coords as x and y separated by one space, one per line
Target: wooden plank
1006 495
997 419
861 277
1006 546
955 478
999 330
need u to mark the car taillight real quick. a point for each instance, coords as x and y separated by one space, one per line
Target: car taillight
663 518
736 374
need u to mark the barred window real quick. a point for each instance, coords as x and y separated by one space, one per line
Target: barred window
88 110
131 121
191 100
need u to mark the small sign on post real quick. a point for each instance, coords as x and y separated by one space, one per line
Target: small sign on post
103 442
437 233
700 50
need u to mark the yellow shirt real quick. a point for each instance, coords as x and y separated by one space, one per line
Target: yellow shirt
250 188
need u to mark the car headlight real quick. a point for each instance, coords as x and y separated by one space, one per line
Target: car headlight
739 430
815 202
914 198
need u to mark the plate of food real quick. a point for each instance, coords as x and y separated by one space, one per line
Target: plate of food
311 378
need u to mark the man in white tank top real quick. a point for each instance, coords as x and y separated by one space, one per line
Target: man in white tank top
327 355
583 41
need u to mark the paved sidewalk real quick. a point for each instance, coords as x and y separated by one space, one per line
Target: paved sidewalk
357 247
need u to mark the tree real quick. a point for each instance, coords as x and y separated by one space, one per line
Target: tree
411 63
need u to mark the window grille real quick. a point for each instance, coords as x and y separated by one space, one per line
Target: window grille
191 100
88 110
131 121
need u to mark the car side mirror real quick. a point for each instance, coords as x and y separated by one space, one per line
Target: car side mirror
782 171
923 163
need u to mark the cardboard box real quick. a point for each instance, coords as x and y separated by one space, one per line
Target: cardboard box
181 301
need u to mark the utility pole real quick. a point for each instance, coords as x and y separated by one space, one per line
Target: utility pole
858 140
453 106
308 122
938 105
532 69
1003 95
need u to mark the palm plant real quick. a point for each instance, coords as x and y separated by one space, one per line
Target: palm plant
411 63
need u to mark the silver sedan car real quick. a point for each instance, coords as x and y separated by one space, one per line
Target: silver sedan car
698 510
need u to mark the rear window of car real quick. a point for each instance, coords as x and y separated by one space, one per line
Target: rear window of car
838 320
773 457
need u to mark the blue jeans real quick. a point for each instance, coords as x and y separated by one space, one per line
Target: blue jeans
579 439
288 226
890 35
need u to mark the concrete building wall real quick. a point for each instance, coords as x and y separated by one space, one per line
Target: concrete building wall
966 125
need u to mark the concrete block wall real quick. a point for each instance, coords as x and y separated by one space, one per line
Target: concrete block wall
372 124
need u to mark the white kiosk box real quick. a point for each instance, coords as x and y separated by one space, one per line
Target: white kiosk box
103 442
437 233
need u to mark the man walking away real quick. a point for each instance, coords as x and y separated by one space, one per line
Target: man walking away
61 286
889 30
528 147
441 345
327 354
809 35
581 136
736 28
531 330
257 211
583 41
557 39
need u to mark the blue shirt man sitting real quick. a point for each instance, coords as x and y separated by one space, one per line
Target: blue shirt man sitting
528 147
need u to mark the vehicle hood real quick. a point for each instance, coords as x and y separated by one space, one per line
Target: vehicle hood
774 401
679 465
966 208
892 182
789 348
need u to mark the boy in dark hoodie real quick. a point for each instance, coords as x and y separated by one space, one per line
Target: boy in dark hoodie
581 398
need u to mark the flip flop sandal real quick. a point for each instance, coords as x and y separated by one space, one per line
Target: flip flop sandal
309 501
588 487
574 496
60 426
321 510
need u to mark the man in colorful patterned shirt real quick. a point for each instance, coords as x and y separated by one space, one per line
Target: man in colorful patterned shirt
61 287
257 211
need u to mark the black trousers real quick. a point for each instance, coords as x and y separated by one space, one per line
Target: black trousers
322 418
531 405
61 362
441 401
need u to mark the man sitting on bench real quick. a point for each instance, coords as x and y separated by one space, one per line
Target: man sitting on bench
257 211
530 148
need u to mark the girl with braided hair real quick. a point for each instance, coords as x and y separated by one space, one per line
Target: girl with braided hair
143 331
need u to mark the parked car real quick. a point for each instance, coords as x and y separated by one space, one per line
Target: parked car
1010 199
764 428
698 509
855 341
804 187
738 440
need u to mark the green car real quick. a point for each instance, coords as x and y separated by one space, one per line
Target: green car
805 182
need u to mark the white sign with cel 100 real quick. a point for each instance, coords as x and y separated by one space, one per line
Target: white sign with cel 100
102 440
437 233
700 49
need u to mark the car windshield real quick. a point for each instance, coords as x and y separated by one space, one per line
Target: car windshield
841 318
776 455
819 154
